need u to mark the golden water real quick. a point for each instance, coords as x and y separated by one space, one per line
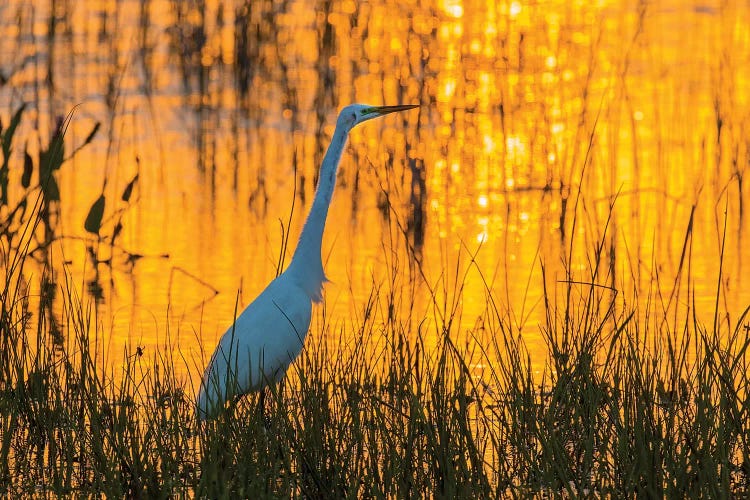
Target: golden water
523 104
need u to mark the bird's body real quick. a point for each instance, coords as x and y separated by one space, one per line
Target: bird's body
249 353
269 334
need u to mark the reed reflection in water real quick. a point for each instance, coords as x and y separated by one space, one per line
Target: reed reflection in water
541 125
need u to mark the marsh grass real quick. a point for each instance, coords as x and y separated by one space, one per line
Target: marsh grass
627 404
635 396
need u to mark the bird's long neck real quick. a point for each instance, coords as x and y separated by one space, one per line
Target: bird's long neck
307 264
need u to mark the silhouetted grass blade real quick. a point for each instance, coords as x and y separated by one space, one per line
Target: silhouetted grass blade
91 135
28 168
128 191
50 188
8 135
6 140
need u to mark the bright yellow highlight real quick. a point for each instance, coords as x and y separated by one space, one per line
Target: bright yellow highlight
515 9
453 8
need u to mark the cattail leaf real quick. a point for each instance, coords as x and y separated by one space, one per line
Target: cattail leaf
94 219
4 184
50 188
52 159
56 152
129 189
28 168
8 135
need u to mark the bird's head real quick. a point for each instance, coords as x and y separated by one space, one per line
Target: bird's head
354 114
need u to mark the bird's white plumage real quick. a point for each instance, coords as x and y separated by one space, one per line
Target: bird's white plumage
269 334
265 339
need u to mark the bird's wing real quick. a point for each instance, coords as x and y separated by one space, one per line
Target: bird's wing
259 346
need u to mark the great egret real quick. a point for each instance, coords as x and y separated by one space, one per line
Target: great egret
269 334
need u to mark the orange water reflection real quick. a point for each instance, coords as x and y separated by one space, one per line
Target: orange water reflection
215 104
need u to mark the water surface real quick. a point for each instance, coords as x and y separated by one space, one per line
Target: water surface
542 124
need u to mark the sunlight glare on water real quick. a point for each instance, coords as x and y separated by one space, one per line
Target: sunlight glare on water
224 110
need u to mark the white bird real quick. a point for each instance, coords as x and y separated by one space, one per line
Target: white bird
269 334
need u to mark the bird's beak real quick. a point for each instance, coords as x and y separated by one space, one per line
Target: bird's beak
376 111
